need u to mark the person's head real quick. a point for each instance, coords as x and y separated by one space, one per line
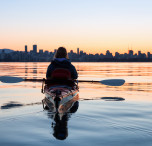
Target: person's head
61 53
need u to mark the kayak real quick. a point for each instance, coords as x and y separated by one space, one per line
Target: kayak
59 95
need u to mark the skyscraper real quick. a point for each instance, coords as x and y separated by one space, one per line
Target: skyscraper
55 51
78 51
131 52
34 48
25 48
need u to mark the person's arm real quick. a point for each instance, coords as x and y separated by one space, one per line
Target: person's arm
74 73
49 71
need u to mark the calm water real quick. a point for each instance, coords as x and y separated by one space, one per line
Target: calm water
112 116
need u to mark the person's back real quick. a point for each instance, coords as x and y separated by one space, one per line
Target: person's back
62 64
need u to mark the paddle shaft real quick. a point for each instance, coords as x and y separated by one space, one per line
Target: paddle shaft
109 82
41 80
34 80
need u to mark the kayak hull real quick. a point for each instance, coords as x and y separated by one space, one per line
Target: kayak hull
60 98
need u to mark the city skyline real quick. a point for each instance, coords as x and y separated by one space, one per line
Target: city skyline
37 49
91 25
38 55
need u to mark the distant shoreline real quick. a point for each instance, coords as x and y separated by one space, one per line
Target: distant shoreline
84 61
80 56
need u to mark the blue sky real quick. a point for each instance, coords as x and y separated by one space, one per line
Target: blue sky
92 25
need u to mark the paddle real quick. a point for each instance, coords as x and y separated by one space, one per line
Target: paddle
109 82
9 79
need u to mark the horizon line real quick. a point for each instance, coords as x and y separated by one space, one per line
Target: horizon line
80 50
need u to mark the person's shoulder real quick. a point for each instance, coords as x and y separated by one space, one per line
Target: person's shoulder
67 61
72 66
51 64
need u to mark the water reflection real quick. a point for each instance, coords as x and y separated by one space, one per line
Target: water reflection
26 70
112 98
15 104
34 70
60 120
106 98
138 76
11 104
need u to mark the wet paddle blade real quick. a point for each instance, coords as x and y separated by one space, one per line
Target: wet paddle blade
113 82
8 79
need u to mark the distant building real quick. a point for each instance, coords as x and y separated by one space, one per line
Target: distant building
117 55
71 51
149 55
35 49
25 48
46 52
40 51
143 55
81 52
3 51
55 51
139 53
108 54
131 52
77 51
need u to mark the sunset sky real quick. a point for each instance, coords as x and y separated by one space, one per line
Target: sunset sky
92 25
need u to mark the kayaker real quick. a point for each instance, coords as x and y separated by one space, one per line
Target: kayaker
61 61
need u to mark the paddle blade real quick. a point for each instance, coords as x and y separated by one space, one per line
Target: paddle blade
8 79
113 82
